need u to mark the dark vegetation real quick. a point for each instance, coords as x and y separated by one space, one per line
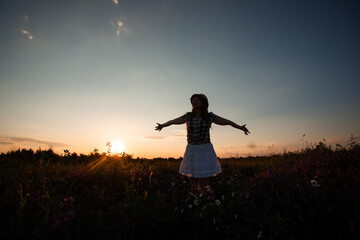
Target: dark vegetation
310 194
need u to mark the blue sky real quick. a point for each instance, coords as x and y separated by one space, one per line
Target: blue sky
76 74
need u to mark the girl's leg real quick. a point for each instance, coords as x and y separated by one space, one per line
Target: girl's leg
205 186
200 185
193 183
204 181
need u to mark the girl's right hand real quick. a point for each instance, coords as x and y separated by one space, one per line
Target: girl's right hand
159 127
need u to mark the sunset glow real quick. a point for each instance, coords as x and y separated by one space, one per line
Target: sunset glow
117 147
77 75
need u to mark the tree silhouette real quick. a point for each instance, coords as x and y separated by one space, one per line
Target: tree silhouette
109 146
67 152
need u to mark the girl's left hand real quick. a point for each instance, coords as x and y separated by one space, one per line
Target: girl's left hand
246 131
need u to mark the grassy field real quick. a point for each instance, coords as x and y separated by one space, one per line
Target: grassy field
310 194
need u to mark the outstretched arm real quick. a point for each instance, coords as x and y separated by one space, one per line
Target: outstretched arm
222 121
179 120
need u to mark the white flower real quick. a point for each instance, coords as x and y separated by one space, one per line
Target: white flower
196 202
314 183
217 202
204 208
223 197
190 206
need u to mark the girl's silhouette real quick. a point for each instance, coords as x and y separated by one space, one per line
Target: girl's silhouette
200 161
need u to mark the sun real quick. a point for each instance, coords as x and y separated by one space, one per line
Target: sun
117 147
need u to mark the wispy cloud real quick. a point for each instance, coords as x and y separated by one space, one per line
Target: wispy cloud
179 132
163 137
251 145
2 142
155 137
24 32
119 27
18 140
27 34
251 148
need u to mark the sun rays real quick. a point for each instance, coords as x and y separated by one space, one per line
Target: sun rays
91 166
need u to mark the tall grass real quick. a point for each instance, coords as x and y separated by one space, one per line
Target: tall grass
310 194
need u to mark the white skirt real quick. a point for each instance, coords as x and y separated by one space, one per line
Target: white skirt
200 161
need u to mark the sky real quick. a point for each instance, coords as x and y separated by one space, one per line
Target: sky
77 74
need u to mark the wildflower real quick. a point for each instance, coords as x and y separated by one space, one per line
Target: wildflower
314 183
196 202
217 202
190 206
223 197
259 234
204 208
69 200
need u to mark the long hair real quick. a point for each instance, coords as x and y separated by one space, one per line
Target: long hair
204 109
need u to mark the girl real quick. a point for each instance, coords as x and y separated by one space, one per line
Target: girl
200 161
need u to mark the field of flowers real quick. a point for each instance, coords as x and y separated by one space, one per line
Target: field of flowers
310 194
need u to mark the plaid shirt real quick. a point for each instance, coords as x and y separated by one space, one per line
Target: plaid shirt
197 129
